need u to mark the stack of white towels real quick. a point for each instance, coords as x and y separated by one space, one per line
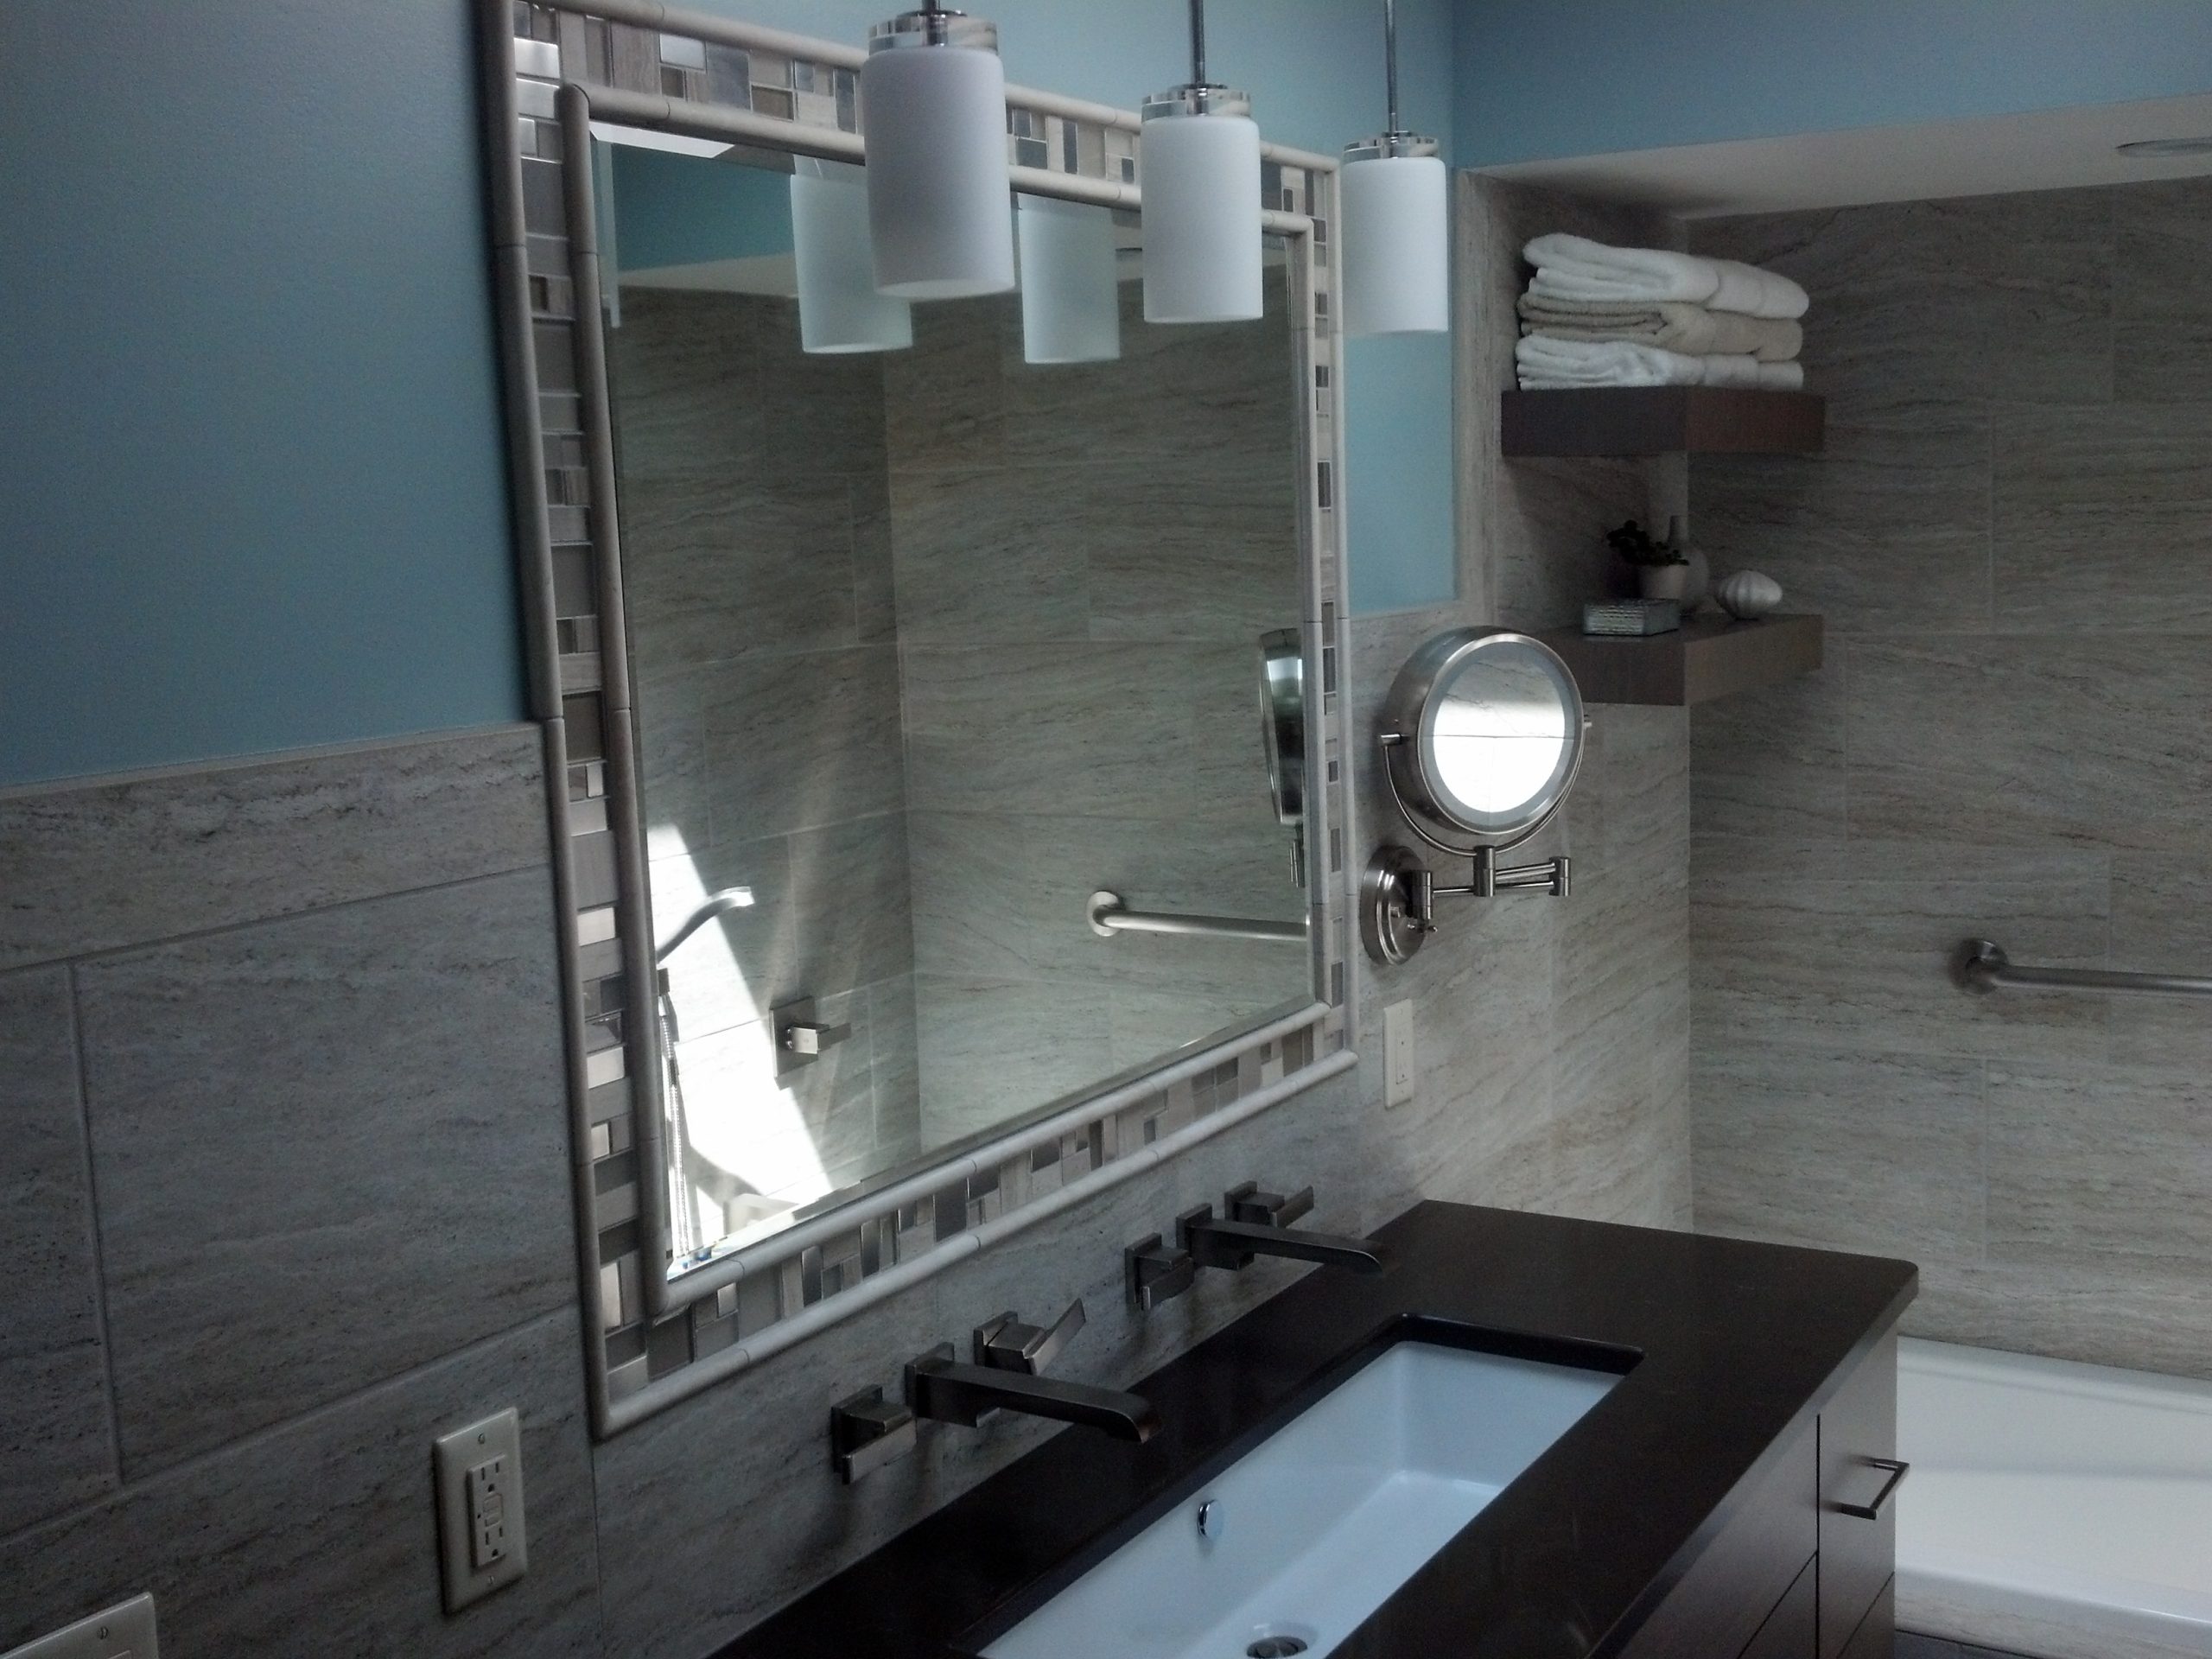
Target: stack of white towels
1602 316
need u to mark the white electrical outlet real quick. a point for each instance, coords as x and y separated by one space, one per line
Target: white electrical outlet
1400 1062
481 1542
123 1631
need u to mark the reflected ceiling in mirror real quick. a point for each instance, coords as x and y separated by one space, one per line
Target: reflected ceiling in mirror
941 617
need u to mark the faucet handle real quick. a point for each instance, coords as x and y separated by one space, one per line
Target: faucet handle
1007 1344
1245 1202
865 1432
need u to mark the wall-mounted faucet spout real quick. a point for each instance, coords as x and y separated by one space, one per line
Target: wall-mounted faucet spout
940 1387
1008 1356
1256 1224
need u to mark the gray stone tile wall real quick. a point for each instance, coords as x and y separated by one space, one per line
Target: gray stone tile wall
2006 536
288 1195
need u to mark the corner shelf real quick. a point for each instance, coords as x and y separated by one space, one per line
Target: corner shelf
1661 420
1704 660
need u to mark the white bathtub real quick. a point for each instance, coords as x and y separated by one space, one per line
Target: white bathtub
2055 1510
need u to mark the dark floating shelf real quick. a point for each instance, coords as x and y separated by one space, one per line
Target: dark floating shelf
1662 420
1704 660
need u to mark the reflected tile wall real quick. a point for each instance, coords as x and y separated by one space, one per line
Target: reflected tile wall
757 570
2006 535
1085 558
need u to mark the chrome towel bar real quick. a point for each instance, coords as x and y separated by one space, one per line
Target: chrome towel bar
1107 916
1982 965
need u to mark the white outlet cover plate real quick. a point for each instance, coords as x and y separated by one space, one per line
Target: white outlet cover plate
123 1631
1399 1059
498 1436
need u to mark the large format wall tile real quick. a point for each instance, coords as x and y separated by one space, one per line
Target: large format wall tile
1772 765
327 1148
1852 950
717 565
56 1442
685 368
2070 740
2008 743
1841 1150
996 556
319 1536
798 742
1992 296
1089 730
1887 530
106 865
2100 516
2099 1165
2163 299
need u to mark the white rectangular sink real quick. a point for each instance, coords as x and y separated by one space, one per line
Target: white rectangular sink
1314 1529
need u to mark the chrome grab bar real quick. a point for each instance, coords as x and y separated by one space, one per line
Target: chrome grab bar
1109 915
1981 965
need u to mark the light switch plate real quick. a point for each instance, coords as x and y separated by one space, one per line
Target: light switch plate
124 1631
481 1541
1401 1061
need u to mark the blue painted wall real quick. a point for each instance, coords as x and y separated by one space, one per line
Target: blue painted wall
252 492
253 487
658 198
1590 77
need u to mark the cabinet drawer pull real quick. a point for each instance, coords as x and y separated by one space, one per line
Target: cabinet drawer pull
1873 1511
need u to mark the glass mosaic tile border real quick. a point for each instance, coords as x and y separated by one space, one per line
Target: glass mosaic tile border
652 1343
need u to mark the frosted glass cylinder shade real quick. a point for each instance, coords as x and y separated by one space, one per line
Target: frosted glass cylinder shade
936 169
839 309
1201 218
1070 295
1396 245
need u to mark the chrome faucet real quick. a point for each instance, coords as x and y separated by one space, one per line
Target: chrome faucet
1008 1356
1254 1224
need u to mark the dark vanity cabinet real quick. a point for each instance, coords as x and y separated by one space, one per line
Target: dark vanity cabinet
1801 1567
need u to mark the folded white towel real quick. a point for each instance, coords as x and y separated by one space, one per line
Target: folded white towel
1546 364
1678 326
1575 267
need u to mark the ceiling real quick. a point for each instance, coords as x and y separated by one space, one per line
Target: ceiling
2046 150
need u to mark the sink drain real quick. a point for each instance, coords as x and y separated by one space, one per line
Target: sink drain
1275 1647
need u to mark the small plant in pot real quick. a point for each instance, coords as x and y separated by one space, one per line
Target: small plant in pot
1663 569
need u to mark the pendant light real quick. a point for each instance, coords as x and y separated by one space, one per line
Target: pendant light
1202 250
934 97
1394 212
839 310
1070 290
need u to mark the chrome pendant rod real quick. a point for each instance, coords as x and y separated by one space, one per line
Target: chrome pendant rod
1390 60
1197 42
1981 965
1107 916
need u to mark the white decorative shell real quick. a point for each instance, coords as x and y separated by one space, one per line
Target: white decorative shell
1747 596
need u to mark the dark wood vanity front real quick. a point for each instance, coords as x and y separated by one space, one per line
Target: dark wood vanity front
1729 1499
1799 1570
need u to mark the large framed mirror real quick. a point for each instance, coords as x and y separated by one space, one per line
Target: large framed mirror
927 867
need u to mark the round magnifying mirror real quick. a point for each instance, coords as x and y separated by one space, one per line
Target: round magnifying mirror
1489 729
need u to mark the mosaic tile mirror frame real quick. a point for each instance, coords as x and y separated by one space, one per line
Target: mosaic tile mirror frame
550 70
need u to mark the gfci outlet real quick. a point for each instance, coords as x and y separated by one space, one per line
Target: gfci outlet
482 1543
1399 1061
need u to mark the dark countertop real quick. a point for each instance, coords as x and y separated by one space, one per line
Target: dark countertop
1740 1344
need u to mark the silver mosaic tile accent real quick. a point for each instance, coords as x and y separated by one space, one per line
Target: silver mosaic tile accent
629 1347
